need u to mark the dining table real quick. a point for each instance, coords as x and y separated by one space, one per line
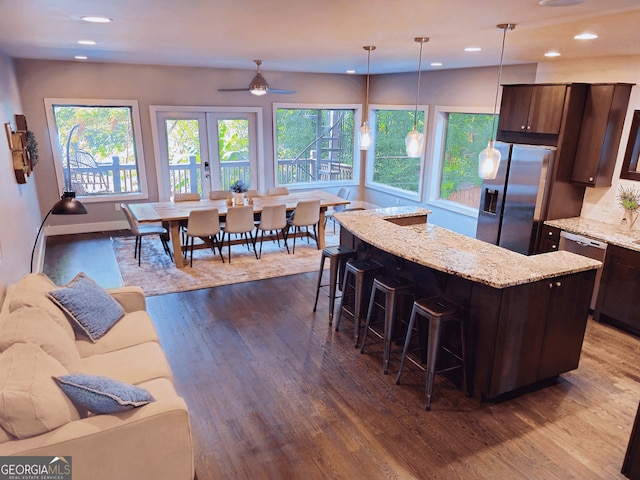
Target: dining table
171 213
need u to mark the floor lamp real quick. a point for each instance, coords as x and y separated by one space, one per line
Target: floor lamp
67 205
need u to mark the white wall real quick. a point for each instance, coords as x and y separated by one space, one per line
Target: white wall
463 87
600 203
158 85
20 215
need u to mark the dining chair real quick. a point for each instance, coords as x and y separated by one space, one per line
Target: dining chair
252 193
343 193
278 191
306 214
184 197
240 221
204 224
143 230
273 218
219 194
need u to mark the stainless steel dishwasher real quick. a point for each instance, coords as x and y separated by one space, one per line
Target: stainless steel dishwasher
587 247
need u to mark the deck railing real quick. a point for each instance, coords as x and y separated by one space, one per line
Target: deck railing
114 177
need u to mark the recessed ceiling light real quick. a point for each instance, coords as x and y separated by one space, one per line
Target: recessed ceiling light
80 57
351 72
559 3
586 36
86 42
94 19
472 49
436 64
552 54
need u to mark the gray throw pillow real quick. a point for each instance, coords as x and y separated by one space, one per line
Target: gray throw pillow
102 395
90 306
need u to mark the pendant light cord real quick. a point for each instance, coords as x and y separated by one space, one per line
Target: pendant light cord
366 110
415 114
505 27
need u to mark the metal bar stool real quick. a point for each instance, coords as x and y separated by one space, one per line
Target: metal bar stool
438 311
338 256
392 288
358 277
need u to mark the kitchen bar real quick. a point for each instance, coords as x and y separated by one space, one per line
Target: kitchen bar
526 315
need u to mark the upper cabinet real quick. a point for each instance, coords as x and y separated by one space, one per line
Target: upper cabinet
584 121
600 133
541 114
532 108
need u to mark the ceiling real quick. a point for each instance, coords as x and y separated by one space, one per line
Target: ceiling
316 36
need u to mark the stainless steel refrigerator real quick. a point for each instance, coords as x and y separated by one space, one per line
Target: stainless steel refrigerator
512 205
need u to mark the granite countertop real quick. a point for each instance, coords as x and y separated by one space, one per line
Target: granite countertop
446 251
605 232
397 212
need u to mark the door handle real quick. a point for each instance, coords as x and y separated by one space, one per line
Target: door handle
206 166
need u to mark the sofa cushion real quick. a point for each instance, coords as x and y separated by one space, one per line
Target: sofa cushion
32 291
134 364
34 325
132 329
92 309
102 395
30 401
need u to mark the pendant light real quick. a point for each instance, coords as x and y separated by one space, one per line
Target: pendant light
365 135
489 158
415 140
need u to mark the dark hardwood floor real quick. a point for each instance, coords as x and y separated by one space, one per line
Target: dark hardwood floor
275 393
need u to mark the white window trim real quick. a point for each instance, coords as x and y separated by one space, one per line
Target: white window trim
369 183
137 137
154 110
357 120
437 146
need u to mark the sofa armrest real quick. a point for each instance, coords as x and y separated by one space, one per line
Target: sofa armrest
132 299
150 442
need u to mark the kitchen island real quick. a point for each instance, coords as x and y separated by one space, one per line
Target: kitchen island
526 315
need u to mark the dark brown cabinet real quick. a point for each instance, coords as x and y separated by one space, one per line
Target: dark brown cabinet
600 133
619 289
532 108
631 465
549 239
540 331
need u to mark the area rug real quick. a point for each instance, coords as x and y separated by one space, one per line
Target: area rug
158 275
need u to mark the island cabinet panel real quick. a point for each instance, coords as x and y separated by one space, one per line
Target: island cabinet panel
566 321
539 332
519 338
620 289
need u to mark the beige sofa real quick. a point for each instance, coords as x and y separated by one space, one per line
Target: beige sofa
148 442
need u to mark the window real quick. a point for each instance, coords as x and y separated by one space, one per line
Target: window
314 144
97 148
461 134
390 168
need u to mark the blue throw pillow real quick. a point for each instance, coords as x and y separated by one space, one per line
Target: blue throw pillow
92 309
101 394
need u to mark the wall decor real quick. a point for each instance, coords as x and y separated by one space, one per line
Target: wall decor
19 154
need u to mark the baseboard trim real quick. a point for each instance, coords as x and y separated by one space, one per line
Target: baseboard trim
54 230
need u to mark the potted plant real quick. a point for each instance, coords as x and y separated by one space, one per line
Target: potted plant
238 188
629 199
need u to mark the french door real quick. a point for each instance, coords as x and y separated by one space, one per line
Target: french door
204 149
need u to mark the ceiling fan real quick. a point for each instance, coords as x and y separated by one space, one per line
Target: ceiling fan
258 85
